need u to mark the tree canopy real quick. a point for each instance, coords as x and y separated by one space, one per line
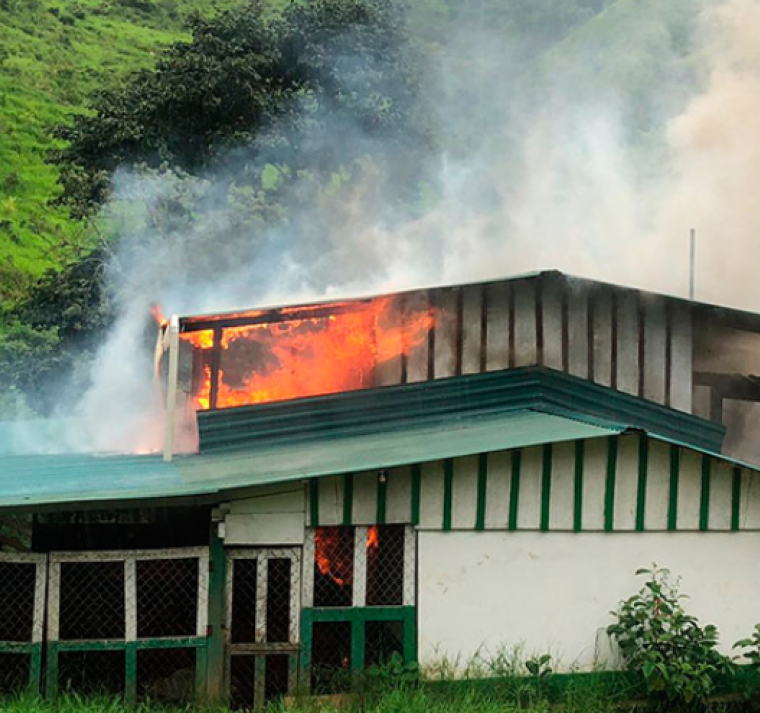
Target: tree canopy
284 87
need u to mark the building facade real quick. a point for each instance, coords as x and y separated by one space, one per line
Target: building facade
445 475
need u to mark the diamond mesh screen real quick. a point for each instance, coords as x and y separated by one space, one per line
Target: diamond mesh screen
243 628
331 657
385 565
14 672
166 676
167 597
333 566
17 589
276 672
92 600
242 682
91 672
278 600
382 640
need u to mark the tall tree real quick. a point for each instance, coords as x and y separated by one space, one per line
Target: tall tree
285 88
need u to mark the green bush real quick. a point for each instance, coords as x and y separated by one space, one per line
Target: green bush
675 655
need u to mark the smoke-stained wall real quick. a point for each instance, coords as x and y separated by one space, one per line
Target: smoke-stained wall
623 339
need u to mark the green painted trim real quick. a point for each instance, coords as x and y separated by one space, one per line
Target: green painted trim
546 486
130 675
11 647
382 498
307 621
641 490
348 499
448 492
357 644
201 664
736 499
416 493
314 502
35 670
675 468
580 447
188 642
704 500
360 613
480 509
217 595
410 635
514 489
51 672
63 646
609 488
358 617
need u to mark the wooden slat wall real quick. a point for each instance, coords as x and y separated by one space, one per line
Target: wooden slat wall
638 344
620 483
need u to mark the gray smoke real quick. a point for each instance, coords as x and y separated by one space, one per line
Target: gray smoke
595 157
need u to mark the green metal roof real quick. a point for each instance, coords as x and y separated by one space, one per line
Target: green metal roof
441 402
43 480
353 432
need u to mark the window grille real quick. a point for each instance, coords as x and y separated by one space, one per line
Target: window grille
331 656
22 610
359 594
359 566
128 623
263 606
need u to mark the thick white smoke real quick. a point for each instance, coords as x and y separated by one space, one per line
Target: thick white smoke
561 179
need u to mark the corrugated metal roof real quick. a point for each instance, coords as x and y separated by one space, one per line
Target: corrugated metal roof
356 431
42 480
439 401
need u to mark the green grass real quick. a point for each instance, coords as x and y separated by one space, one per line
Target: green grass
469 700
53 55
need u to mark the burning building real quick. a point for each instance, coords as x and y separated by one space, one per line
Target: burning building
436 473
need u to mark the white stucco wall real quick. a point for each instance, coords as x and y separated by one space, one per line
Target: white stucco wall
552 592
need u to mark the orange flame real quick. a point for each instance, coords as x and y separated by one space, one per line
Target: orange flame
158 314
373 538
332 557
200 340
310 356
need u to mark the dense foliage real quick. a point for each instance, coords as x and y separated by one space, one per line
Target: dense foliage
676 656
279 88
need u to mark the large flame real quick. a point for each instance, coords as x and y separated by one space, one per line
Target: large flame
332 557
305 356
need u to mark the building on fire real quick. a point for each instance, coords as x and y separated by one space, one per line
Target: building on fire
441 473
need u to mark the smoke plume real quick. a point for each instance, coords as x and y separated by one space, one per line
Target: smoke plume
568 160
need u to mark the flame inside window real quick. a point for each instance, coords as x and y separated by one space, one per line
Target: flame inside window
303 353
333 566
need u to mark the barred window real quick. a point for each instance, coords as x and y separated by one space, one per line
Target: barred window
357 566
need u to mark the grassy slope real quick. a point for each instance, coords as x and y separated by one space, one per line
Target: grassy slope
53 53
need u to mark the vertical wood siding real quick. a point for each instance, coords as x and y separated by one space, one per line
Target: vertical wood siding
621 483
637 343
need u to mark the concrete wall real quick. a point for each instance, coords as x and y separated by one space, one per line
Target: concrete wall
480 592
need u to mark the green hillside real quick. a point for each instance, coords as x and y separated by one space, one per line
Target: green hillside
53 54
